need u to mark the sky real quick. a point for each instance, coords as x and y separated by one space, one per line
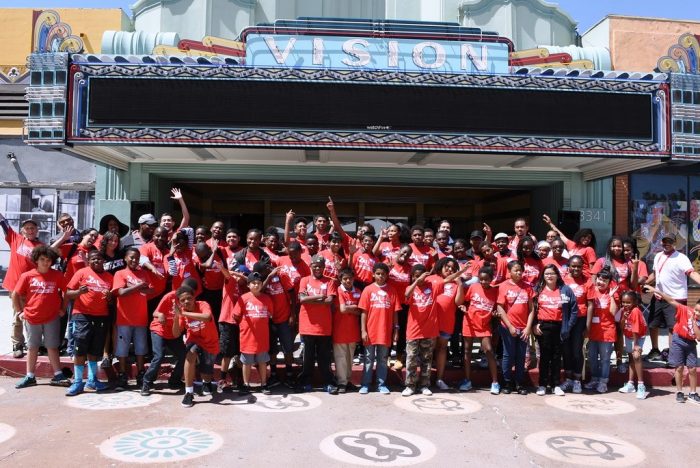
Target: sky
585 12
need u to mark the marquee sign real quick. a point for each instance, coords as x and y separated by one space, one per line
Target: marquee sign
368 53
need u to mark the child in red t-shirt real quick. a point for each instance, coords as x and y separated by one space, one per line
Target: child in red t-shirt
161 336
634 327
252 313
316 297
379 306
480 300
515 308
38 295
683 350
346 329
201 340
131 287
602 331
421 331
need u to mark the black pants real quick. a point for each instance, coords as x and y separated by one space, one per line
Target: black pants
550 353
573 350
213 297
317 348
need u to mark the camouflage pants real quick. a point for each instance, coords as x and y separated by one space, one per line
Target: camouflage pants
419 353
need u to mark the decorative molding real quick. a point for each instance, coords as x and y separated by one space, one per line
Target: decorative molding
14 74
49 34
683 57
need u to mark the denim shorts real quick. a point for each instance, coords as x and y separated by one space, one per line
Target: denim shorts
629 343
683 352
126 334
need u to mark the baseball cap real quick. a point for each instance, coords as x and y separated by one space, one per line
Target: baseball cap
255 276
318 259
476 233
671 237
501 235
147 219
30 220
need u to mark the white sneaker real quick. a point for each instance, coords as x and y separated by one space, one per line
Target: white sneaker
541 391
641 391
577 387
558 391
442 385
592 384
627 388
425 391
602 387
408 391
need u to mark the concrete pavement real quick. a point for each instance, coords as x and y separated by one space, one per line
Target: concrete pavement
38 427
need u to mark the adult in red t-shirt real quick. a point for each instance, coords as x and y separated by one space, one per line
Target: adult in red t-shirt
379 306
316 296
131 287
516 311
480 302
252 313
21 246
201 340
38 295
421 331
91 290
346 328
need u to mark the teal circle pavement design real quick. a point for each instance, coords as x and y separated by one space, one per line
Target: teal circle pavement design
161 445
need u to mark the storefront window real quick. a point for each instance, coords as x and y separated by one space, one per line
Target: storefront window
659 207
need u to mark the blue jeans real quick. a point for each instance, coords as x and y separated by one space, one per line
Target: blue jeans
381 353
514 352
599 358
177 347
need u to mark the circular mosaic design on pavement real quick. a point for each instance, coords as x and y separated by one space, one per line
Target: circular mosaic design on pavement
277 403
110 401
438 404
588 404
6 432
584 448
161 445
370 447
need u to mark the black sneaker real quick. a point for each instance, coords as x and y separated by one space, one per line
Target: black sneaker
207 388
351 387
145 389
265 389
680 398
694 398
122 383
654 355
243 389
188 400
342 388
273 381
508 388
522 391
139 378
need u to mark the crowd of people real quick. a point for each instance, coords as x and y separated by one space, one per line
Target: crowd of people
209 295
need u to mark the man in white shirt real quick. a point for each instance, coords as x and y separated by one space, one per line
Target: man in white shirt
671 272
